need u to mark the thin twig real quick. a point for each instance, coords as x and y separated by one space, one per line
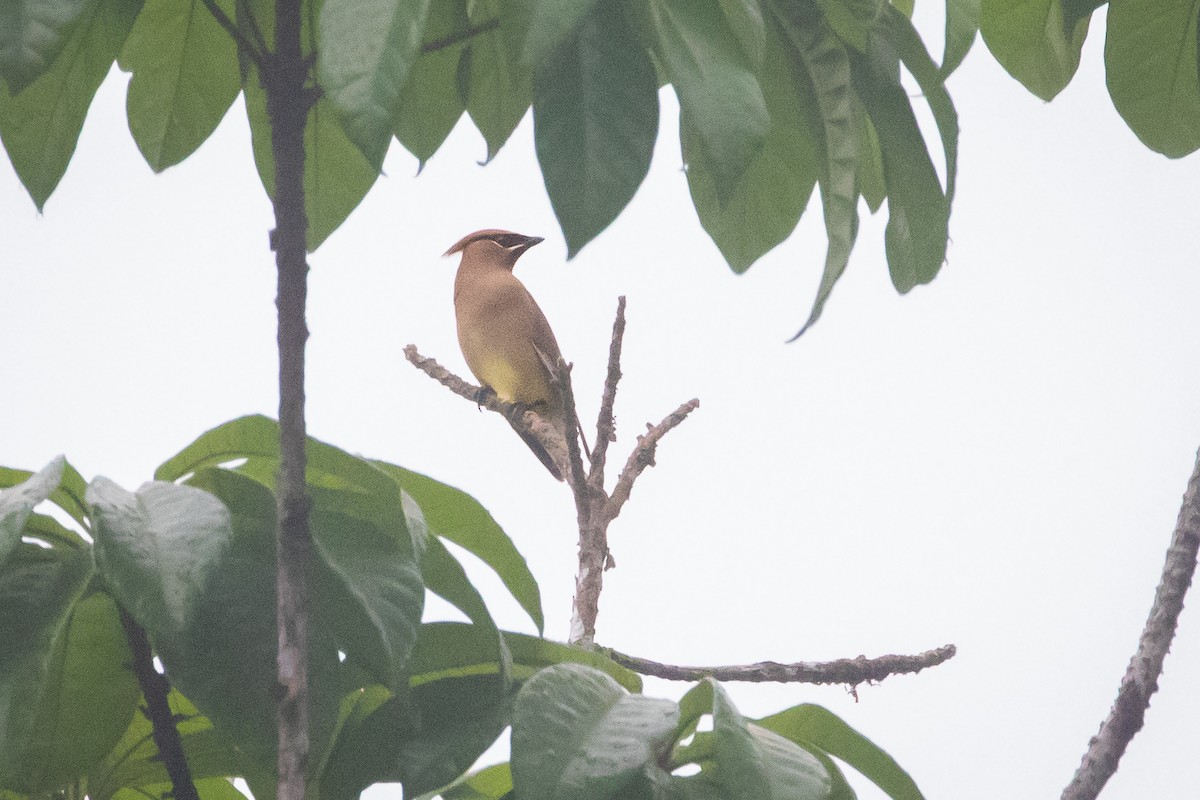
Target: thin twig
255 30
259 57
156 690
460 36
850 671
643 456
1141 678
605 428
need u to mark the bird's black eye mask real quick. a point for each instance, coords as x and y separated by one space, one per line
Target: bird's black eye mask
511 241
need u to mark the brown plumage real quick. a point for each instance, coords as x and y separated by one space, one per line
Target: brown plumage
501 329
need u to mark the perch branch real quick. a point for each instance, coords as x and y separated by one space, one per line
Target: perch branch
850 671
1141 678
643 456
155 689
605 428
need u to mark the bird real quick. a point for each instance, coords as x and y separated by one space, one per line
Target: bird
503 333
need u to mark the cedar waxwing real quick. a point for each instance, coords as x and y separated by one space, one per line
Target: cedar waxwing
501 330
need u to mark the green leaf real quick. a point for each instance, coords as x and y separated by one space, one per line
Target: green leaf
446 578
497 83
719 97
552 24
852 20
66 692
1030 39
595 120
490 783
773 192
918 210
962 25
364 51
871 183
18 502
454 515
68 496
40 126
792 771
811 725
745 18
185 77
225 661
336 174
425 740
135 764
32 33
430 104
157 548
825 60
578 734
739 764
1151 60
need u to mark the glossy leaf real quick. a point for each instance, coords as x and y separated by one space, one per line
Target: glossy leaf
336 174
552 24
825 61
739 766
595 121
157 548
40 126
719 96
32 33
852 20
456 516
577 734
68 495
430 104
962 26
185 77
489 783
812 725
1150 53
18 502
365 49
445 577
773 192
497 83
66 692
1030 39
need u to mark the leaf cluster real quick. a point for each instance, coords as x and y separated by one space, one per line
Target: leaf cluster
776 96
190 558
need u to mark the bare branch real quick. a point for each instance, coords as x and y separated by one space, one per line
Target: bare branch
850 671
156 689
643 456
1141 678
605 428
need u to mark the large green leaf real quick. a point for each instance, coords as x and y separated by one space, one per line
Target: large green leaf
225 660
157 548
68 495
552 24
32 33
337 176
595 121
1151 59
185 77
18 502
456 516
824 59
578 734
962 26
365 49
918 210
66 692
40 126
430 104
496 82
740 766
135 764
489 783
719 96
1034 42
445 577
811 725
852 20
745 18
773 192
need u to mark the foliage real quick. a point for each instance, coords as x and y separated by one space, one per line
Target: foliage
190 557
1150 55
776 96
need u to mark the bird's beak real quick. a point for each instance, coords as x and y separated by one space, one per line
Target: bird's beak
529 242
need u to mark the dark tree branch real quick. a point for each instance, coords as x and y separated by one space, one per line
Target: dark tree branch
850 671
1141 678
156 690
288 103
459 37
258 55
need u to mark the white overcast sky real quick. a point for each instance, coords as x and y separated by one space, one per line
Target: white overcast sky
995 460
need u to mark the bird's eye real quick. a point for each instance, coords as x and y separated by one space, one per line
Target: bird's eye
511 241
